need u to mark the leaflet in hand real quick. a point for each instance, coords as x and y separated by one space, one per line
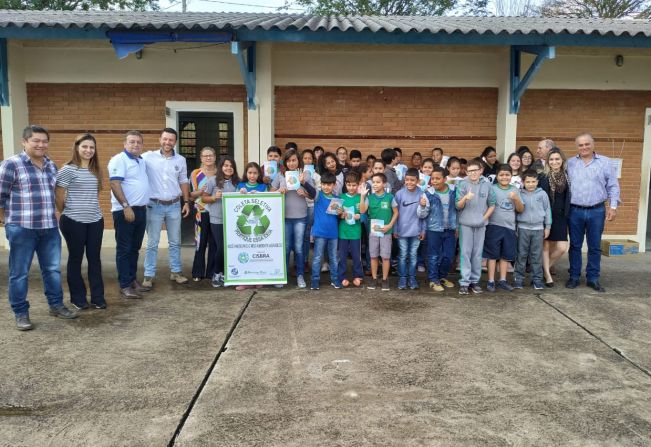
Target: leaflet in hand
310 169
350 214
292 180
423 181
444 161
334 206
376 227
400 171
271 169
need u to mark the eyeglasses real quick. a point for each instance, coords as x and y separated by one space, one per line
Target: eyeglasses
470 171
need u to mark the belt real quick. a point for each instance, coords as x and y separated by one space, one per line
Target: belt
165 202
598 205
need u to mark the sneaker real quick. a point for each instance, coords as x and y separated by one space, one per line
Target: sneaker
504 285
314 287
436 287
217 280
300 282
538 285
80 306
402 283
385 285
336 285
463 290
475 289
490 286
517 284
279 286
446 283
422 269
371 284
178 277
99 305
413 284
23 323
63 312
147 283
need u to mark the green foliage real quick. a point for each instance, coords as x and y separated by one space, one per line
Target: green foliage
84 5
377 7
606 9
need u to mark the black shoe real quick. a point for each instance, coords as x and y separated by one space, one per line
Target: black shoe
572 283
63 312
101 305
549 284
596 286
136 286
23 323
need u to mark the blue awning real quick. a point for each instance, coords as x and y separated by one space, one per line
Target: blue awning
126 42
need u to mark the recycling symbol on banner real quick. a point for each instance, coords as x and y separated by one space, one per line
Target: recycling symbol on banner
252 221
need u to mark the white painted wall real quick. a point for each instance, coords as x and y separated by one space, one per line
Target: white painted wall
159 64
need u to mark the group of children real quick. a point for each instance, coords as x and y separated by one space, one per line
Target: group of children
384 213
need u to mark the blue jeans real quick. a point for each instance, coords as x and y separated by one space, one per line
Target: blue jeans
156 215
128 239
309 220
408 249
320 245
294 234
588 223
23 243
441 247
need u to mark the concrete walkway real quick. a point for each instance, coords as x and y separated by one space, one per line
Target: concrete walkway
193 366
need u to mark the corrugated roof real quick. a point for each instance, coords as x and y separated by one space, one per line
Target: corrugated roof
115 20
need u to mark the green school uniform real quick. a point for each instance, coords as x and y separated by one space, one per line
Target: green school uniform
347 231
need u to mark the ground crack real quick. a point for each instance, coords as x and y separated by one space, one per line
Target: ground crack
592 334
199 390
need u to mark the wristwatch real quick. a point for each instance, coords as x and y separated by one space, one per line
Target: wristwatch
126 205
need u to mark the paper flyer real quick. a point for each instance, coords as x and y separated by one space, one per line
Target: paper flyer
376 227
350 214
292 180
271 169
334 206
423 181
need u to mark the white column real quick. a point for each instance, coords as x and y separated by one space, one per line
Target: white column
15 115
643 208
261 120
507 123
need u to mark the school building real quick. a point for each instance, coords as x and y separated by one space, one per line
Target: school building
241 82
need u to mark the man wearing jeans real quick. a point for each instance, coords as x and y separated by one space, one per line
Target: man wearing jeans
168 180
129 198
27 208
593 182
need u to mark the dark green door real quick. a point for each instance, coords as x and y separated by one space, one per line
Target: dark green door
196 131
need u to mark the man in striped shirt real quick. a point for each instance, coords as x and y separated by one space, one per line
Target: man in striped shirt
27 209
592 183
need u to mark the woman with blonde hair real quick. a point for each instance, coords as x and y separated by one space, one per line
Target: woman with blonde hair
556 183
78 185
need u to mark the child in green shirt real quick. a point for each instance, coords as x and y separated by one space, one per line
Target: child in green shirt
350 231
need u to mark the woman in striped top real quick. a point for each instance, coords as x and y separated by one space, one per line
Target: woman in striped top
202 234
82 225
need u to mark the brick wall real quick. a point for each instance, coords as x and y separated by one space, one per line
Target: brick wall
109 110
460 120
615 118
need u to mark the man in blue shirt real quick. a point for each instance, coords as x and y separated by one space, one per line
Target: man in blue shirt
27 208
592 183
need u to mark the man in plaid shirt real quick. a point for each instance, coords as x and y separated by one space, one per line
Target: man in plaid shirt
27 210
